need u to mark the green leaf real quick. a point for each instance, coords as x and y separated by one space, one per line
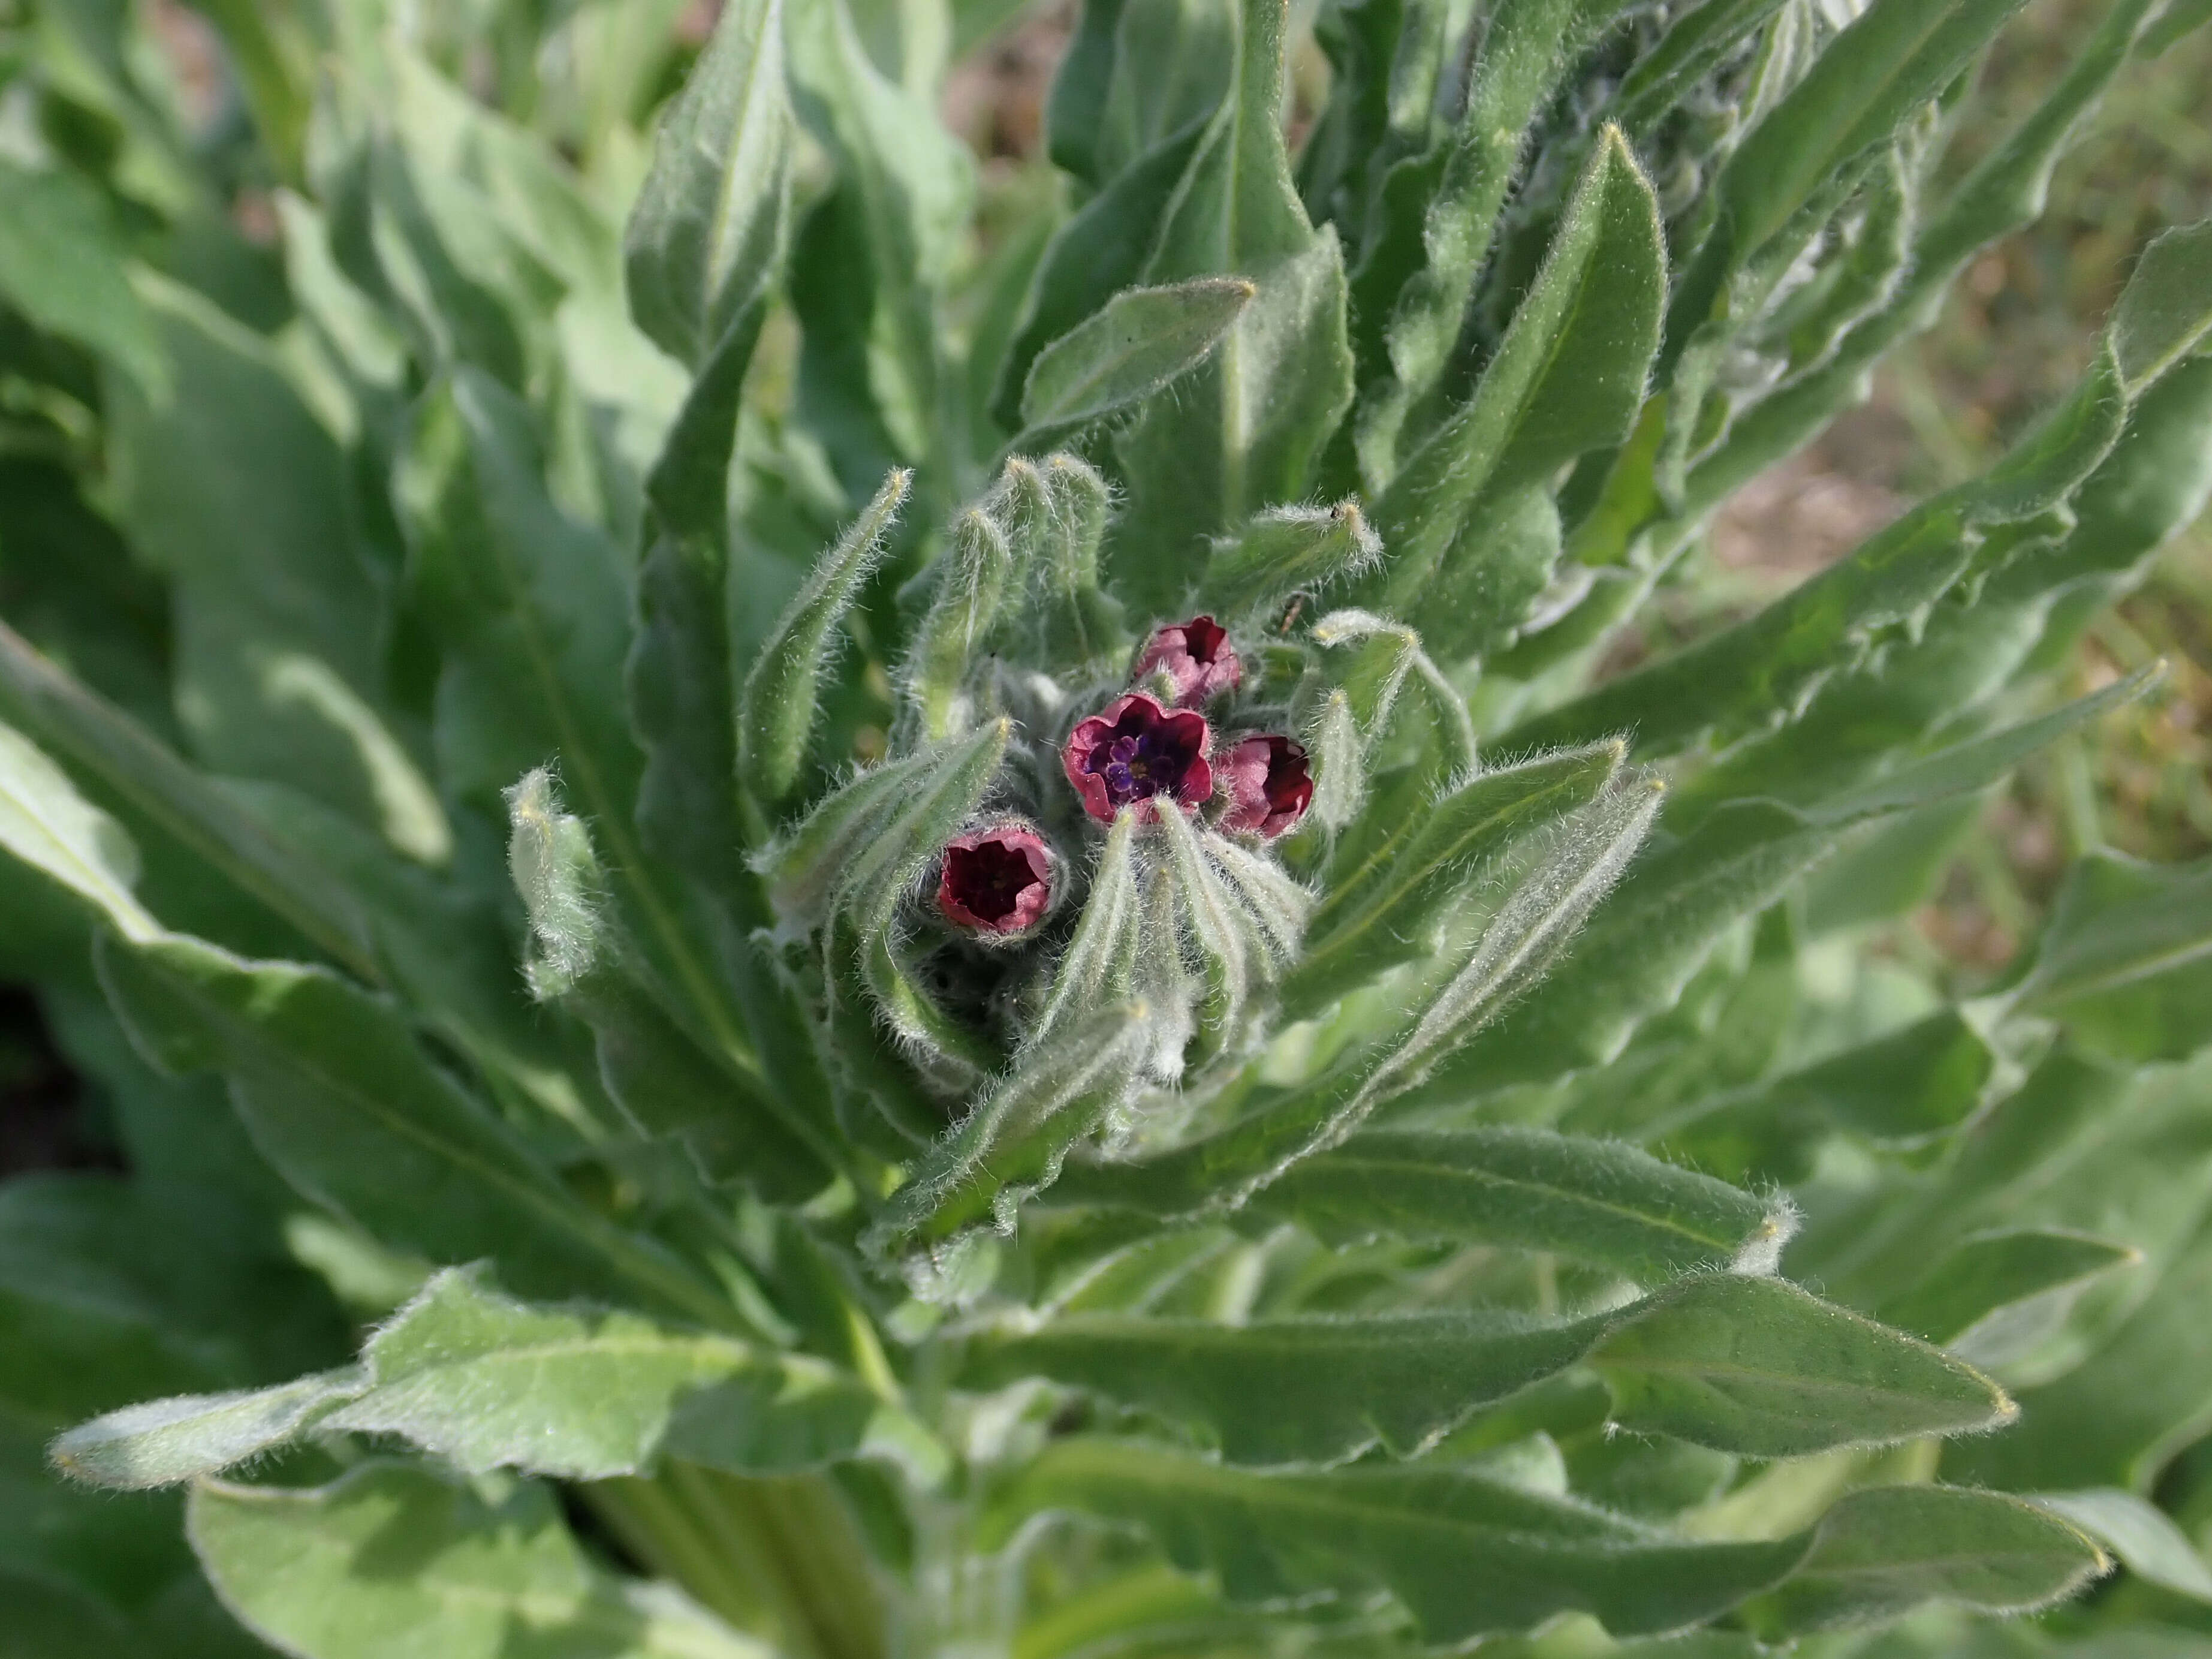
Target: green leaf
1568 377
1590 1201
1464 1555
1098 252
776 708
1012 1141
1641 948
1520 942
707 233
2125 962
392 1559
144 772
2117 1418
2166 310
49 826
62 265
1758 1367
338 1097
1894 58
1763 671
1383 910
234 490
1245 431
1904 1089
909 184
550 858
1746 1365
2142 1534
1287 549
486 1382
1140 342
973 575
1993 1281
165 1443
1411 287
1881 1553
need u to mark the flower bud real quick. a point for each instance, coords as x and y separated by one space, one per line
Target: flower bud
1270 786
996 881
1134 750
1196 656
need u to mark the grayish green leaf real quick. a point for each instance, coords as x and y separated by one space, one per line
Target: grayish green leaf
1141 341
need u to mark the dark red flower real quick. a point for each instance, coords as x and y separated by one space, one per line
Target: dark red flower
1270 786
1135 750
997 880
1196 656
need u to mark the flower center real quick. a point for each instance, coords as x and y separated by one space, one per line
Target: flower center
989 880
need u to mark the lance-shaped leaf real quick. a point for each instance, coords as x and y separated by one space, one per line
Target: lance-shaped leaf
1746 1365
2119 1417
1012 1141
1590 1201
2166 310
2142 1535
1411 287
2125 962
1764 670
1567 378
803 868
906 186
1555 894
337 1096
165 1443
1338 753
1994 1293
1467 1556
1246 430
1140 342
49 826
777 706
1382 911
1287 550
1098 252
488 1383
973 575
109 746
1099 962
1907 1089
308 1571
1056 517
1233 956
1881 1553
707 229
2006 191
1893 59
1675 905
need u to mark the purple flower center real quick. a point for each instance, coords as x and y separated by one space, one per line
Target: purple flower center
1145 755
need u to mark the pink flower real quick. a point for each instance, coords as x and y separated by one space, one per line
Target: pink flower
1135 750
997 880
1270 786
1196 656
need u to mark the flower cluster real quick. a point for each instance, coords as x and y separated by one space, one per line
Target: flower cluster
997 882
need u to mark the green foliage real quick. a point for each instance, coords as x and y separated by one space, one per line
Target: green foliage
730 1030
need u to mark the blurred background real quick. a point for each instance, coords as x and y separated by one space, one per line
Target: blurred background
2011 338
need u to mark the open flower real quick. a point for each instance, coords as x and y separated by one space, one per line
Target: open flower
1270 786
1195 656
997 880
1135 750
